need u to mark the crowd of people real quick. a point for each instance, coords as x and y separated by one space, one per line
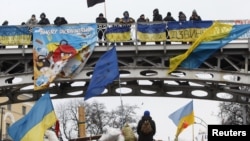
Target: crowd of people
126 20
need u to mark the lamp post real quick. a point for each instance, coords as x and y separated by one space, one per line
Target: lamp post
1 130
202 122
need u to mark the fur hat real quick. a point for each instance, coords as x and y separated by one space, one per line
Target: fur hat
100 15
43 15
156 11
146 113
125 12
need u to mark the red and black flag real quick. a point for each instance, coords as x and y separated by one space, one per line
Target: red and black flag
91 3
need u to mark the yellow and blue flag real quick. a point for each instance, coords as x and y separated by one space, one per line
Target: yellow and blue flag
187 31
33 125
183 117
151 32
206 49
105 72
15 35
214 38
118 33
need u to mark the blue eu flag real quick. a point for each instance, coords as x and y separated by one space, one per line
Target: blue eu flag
105 72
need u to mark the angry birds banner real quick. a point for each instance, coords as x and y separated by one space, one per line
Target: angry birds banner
60 51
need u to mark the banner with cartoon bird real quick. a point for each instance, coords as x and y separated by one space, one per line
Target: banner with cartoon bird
61 51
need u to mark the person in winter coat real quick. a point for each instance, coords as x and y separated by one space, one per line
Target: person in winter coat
128 133
195 16
60 21
157 17
5 23
142 19
126 20
32 21
168 18
102 26
149 136
182 17
43 20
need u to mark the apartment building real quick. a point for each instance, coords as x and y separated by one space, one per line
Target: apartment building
11 113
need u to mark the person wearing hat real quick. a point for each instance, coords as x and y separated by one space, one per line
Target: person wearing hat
157 17
5 23
43 20
32 21
149 136
195 16
142 19
127 21
102 25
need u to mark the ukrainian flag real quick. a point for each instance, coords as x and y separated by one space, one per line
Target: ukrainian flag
118 33
187 31
151 32
214 38
33 125
183 117
14 35
206 49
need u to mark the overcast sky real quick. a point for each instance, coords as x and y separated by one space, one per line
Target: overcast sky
76 11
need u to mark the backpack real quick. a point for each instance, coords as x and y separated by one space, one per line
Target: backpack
146 127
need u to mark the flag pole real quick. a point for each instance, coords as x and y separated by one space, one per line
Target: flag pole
194 122
105 13
193 131
122 109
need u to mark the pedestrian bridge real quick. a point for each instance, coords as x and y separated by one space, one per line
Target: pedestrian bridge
224 76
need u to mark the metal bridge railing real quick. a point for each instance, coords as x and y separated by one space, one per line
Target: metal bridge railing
134 38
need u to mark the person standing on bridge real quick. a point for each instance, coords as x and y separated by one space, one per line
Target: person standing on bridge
142 19
195 16
43 20
168 18
102 26
126 20
182 18
157 17
5 23
31 23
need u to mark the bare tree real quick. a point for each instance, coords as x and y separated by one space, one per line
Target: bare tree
96 115
67 112
96 118
234 113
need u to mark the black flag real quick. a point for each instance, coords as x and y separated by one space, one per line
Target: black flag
91 3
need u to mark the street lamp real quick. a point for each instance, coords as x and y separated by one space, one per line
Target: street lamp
202 122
